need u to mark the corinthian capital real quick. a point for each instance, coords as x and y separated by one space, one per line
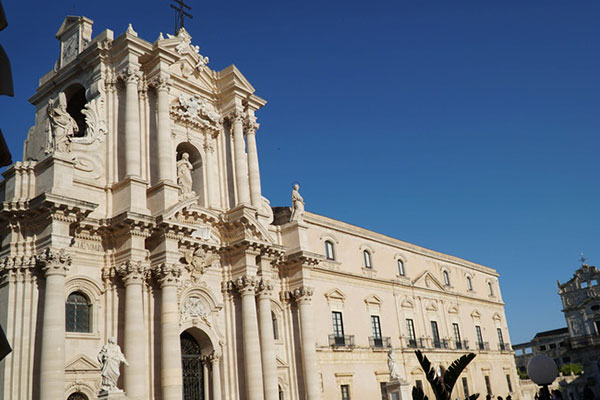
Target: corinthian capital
265 288
131 74
161 82
54 261
132 272
235 116
167 274
246 284
251 127
302 294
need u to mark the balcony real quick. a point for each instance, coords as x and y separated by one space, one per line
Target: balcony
461 344
380 342
439 343
483 346
504 347
415 343
346 341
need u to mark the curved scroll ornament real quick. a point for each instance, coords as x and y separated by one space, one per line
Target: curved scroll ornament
196 112
95 121
193 309
197 261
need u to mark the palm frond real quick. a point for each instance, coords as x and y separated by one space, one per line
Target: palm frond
455 369
417 394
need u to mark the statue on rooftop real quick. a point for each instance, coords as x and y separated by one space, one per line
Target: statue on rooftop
297 205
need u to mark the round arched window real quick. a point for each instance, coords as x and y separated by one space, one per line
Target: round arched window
77 396
78 313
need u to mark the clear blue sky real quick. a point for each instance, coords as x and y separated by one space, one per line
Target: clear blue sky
471 128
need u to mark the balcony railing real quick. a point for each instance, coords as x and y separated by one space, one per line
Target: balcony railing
341 341
460 344
416 343
504 347
483 346
380 342
439 343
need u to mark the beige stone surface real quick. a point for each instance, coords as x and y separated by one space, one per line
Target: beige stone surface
218 263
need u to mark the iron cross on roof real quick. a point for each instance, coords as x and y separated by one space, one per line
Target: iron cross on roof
582 259
181 13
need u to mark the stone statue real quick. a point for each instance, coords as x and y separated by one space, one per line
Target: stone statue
111 358
393 366
297 205
184 176
63 126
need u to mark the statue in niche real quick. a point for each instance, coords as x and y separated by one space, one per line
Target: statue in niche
110 357
297 205
63 127
395 373
184 177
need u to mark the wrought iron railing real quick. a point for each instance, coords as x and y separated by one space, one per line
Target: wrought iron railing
504 347
461 344
341 341
380 342
483 346
416 343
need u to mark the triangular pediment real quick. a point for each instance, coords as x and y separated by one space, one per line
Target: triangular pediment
82 363
373 300
453 309
497 317
475 314
407 303
232 78
335 294
427 280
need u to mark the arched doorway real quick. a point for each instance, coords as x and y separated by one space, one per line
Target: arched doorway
191 362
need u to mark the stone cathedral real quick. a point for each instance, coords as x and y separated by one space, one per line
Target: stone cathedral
136 223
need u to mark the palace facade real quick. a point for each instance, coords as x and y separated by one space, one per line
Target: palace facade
137 213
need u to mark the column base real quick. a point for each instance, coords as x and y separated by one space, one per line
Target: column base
162 196
115 394
398 390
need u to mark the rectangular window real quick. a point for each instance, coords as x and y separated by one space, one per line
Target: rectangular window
488 385
412 339
552 345
509 384
338 328
400 268
542 348
501 339
383 388
457 336
329 250
345 392
376 328
436 335
479 337
465 387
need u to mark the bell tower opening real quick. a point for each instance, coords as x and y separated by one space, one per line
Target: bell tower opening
76 102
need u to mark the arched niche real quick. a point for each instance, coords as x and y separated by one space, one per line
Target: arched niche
195 158
76 101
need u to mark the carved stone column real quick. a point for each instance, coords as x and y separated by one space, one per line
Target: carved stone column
253 171
216 375
165 152
206 388
171 373
132 122
133 273
241 170
267 341
252 364
55 264
309 353
212 184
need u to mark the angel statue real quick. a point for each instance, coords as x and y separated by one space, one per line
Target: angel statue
111 358
63 127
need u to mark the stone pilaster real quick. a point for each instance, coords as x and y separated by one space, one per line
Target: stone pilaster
171 373
212 184
246 286
132 122
303 297
267 341
165 152
241 169
54 264
253 170
133 274
214 359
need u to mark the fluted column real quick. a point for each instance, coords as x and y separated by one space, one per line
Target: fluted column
171 373
55 265
212 184
253 171
165 152
216 376
309 354
267 341
241 170
132 273
252 364
132 123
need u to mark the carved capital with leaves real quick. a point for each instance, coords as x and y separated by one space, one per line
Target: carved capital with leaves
302 294
54 261
167 274
246 285
132 272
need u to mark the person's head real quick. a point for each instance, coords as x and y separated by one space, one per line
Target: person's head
112 340
185 156
296 186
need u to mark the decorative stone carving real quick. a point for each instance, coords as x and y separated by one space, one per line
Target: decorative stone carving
95 121
197 261
246 284
193 308
393 366
62 126
297 205
132 271
251 127
184 177
214 357
196 112
302 294
54 261
130 75
186 46
110 357
265 288
168 274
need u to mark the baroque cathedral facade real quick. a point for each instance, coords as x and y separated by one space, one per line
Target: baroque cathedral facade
136 218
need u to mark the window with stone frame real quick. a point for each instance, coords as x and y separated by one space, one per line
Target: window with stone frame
77 396
469 283
275 326
329 253
367 259
446 278
78 313
401 268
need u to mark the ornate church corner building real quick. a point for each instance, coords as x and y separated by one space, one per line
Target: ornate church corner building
140 260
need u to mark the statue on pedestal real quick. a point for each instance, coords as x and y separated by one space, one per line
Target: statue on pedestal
297 205
395 373
63 126
110 357
184 177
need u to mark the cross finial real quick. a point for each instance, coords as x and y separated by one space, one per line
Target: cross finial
582 259
180 13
